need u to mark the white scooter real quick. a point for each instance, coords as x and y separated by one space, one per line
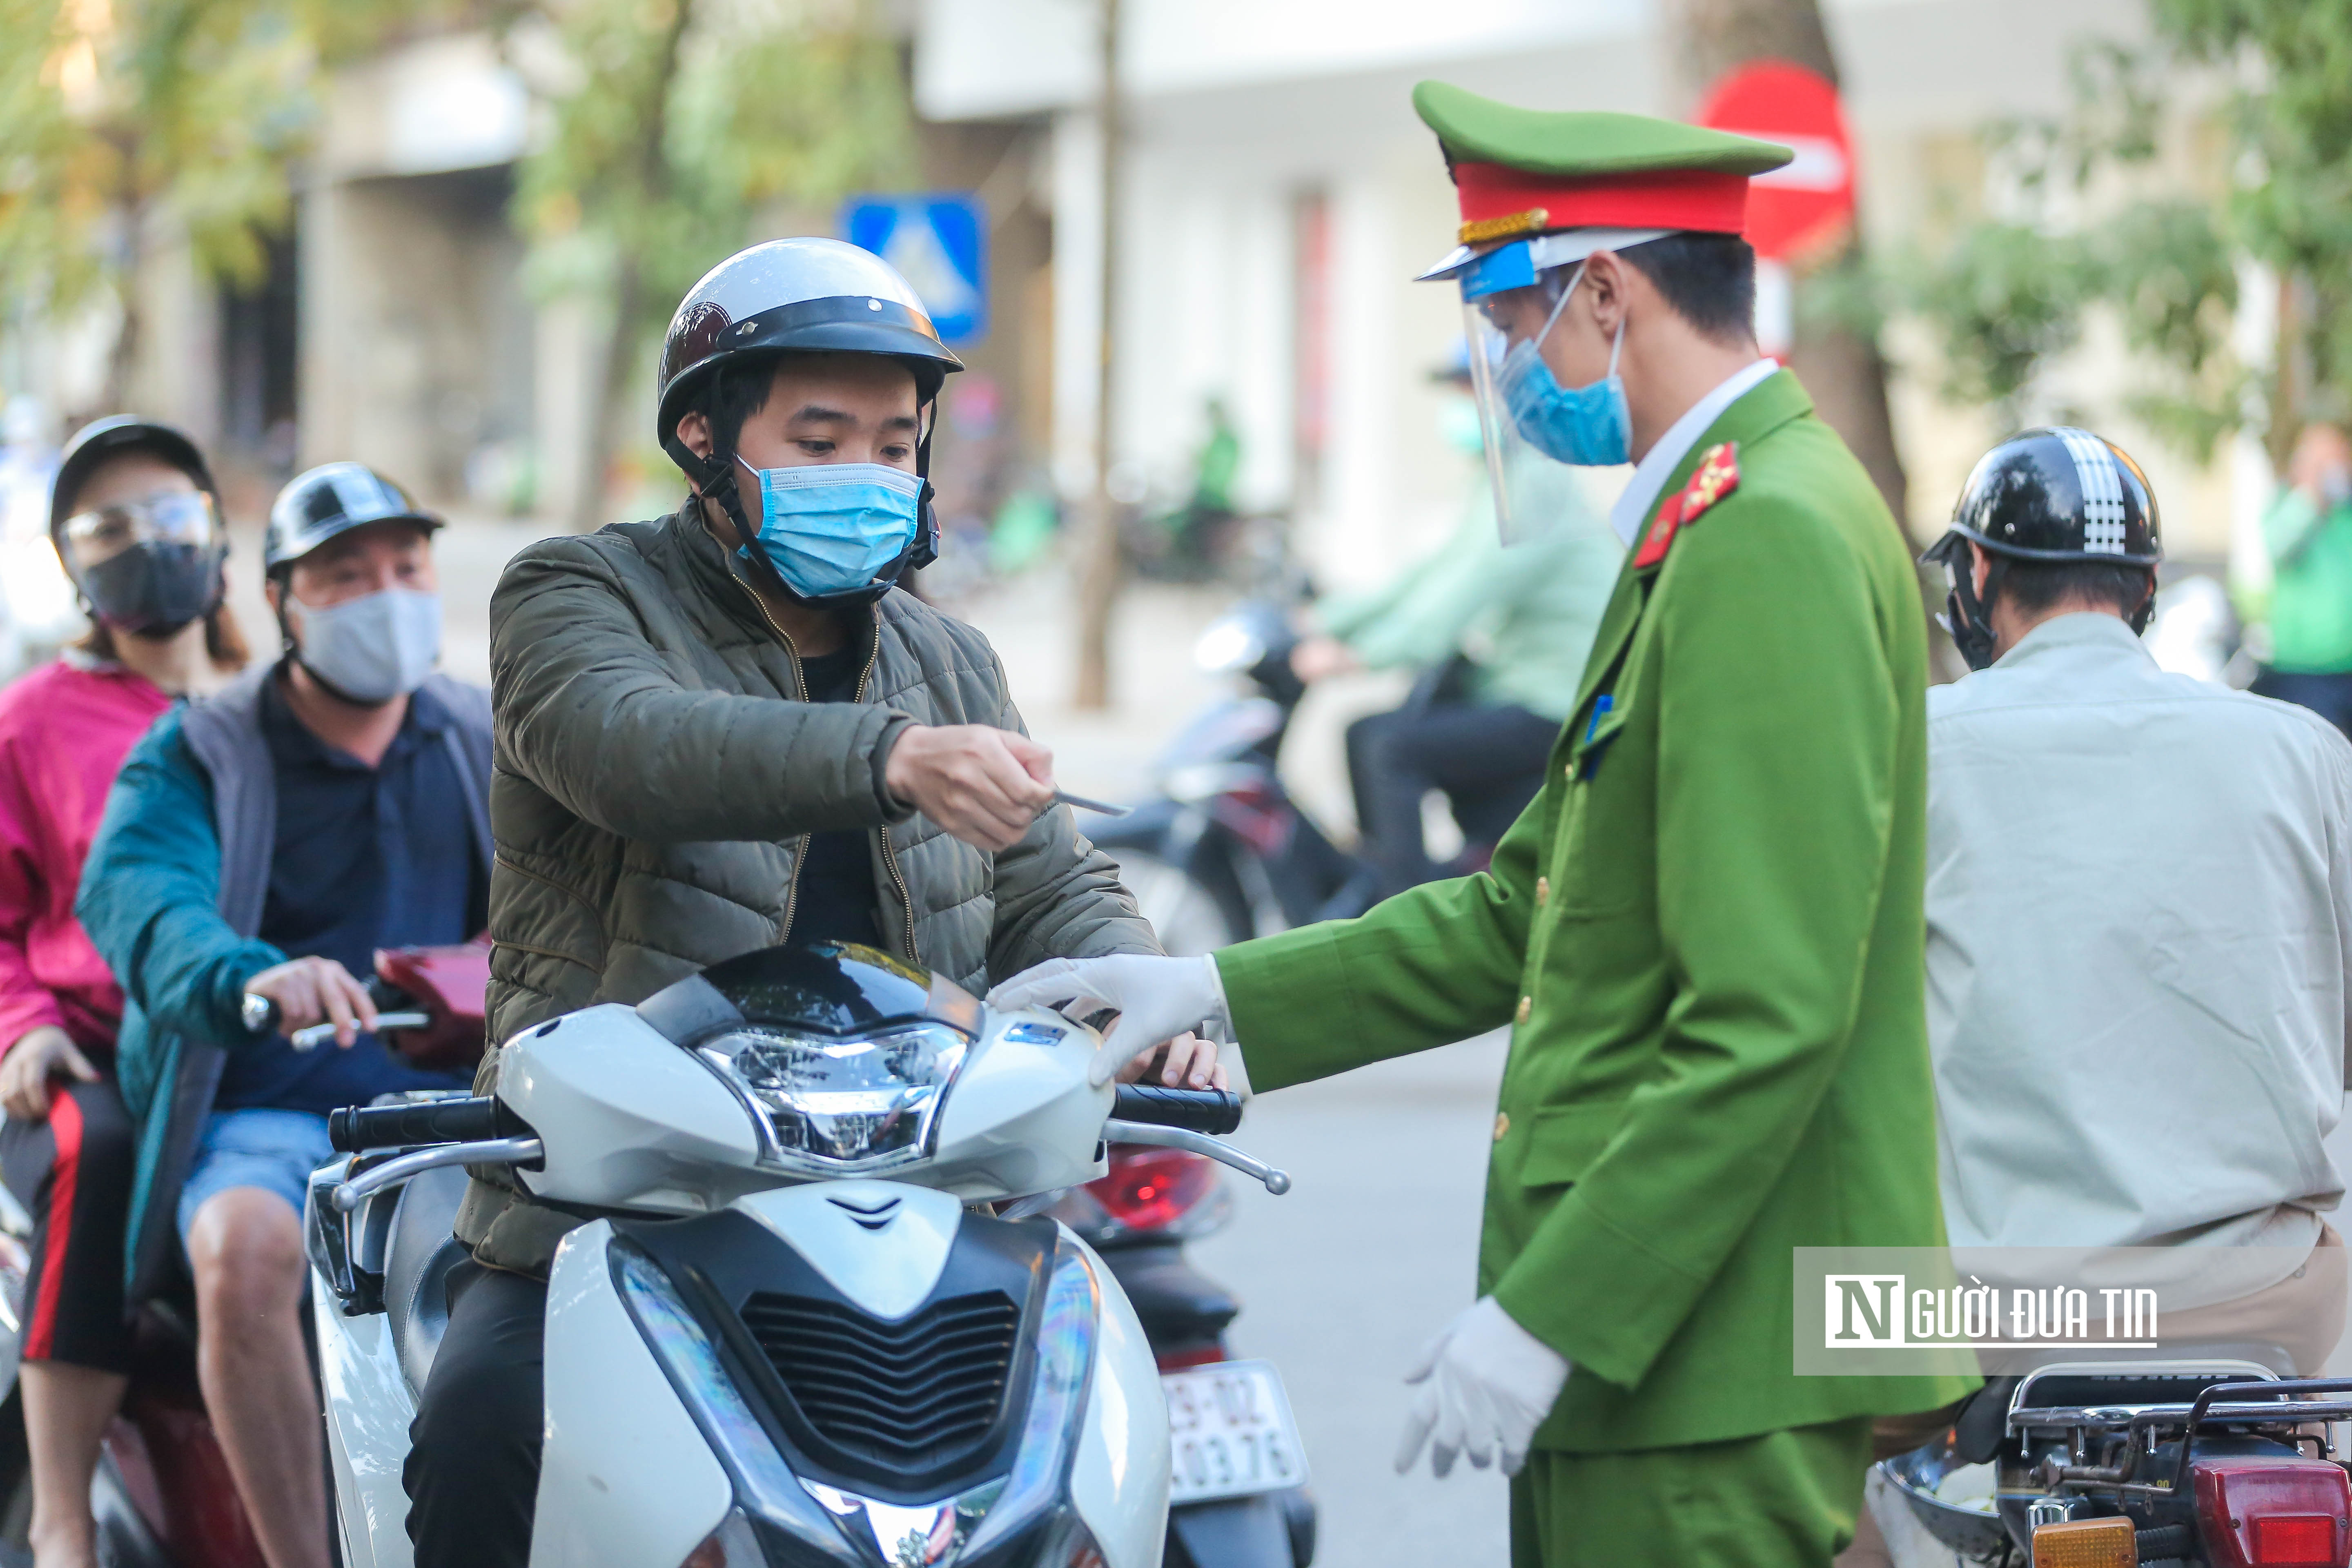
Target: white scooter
803 1338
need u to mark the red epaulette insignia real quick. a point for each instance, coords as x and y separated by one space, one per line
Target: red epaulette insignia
1717 476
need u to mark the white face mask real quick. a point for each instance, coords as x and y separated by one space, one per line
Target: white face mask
371 648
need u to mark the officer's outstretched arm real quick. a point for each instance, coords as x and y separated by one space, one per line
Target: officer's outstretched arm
1437 964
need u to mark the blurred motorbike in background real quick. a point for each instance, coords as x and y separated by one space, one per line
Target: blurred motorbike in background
1223 853
1223 1513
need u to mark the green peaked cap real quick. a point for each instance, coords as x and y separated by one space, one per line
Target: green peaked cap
1587 142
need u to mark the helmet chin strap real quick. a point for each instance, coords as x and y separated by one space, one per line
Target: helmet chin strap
1966 616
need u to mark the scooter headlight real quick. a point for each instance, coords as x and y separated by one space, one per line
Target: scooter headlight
839 1107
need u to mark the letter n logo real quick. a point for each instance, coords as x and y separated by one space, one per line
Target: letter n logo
1863 1309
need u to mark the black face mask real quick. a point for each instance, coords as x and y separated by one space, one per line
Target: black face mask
154 589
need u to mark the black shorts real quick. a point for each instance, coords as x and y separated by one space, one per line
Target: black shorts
72 1173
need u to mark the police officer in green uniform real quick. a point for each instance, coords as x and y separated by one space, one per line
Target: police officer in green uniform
1706 933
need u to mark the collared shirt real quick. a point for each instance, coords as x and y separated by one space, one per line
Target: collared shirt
365 858
2140 924
1640 495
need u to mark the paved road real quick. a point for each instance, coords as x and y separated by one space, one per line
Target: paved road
1344 1279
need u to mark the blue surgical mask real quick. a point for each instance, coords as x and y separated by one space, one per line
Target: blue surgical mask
1586 425
832 528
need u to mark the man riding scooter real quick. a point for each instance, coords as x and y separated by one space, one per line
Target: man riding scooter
1481 723
258 846
2139 927
727 729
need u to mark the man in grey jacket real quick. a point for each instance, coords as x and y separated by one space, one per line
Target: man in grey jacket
727 729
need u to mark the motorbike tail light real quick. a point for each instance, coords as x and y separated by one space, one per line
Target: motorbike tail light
1149 1189
2086 1543
2274 1512
1184 1361
2296 1538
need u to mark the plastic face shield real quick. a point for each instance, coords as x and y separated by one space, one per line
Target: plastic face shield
173 517
1505 300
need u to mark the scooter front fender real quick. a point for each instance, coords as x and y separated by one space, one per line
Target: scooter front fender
625 1478
369 1406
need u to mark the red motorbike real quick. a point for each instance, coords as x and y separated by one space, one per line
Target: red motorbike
2211 1460
162 1497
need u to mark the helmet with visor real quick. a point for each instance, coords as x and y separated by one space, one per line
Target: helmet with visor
145 565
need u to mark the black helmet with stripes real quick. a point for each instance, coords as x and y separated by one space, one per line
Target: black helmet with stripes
2057 495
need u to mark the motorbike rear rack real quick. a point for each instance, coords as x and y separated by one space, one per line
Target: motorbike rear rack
2284 1405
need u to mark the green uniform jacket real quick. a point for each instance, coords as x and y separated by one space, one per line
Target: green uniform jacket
1708 931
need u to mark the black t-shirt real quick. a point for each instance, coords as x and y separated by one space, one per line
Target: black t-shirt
835 900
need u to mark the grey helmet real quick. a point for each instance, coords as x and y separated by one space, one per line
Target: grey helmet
813 296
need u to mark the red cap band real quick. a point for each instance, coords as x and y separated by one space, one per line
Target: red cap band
1673 198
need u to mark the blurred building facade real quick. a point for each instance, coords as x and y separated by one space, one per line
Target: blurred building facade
397 323
1279 195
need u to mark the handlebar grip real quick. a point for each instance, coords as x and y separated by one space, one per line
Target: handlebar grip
1212 1110
470 1120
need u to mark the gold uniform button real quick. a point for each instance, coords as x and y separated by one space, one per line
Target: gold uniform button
1502 1124
1543 891
1527 1005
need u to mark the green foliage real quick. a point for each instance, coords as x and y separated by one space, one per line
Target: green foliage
2093 225
116 112
2002 300
48 202
683 118
2292 126
120 115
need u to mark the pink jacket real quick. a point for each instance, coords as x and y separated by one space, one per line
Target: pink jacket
64 729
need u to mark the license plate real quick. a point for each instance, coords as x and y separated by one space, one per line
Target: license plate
1230 1432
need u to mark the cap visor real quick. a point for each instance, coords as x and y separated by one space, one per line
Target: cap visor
1558 249
1452 262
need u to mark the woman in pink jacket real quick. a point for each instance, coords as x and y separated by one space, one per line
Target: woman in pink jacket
136 521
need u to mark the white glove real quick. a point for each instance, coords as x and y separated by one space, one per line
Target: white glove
1157 999
1486 1384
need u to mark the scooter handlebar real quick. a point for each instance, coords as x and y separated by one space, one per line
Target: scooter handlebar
1212 1111
469 1121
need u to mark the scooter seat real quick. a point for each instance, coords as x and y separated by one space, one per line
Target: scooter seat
416 1268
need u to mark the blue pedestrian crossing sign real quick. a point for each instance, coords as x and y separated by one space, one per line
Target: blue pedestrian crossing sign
939 243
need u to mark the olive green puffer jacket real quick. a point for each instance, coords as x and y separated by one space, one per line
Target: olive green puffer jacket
654 775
